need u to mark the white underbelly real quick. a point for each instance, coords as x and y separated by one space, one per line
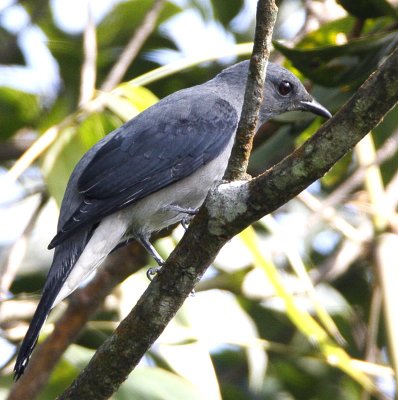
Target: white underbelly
104 239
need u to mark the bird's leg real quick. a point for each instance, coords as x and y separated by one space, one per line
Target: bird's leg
189 214
146 244
155 255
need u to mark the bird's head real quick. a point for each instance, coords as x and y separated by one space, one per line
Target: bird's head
284 92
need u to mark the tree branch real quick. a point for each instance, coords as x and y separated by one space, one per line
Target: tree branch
229 209
265 21
89 69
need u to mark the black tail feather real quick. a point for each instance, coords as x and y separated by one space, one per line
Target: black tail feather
30 339
65 257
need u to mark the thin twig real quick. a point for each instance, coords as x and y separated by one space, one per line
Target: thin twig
133 47
372 331
18 250
366 154
385 152
392 199
239 160
329 215
341 260
42 143
89 70
14 147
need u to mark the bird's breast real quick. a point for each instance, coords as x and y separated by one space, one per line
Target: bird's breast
152 213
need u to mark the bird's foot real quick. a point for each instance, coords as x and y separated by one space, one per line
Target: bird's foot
150 274
183 210
155 255
186 221
189 214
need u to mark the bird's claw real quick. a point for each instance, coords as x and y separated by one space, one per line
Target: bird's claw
186 221
150 274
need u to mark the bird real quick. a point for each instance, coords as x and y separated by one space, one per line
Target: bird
150 173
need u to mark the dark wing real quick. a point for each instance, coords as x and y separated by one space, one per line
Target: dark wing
162 145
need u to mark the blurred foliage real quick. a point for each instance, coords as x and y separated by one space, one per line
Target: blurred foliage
17 110
338 65
10 53
226 14
369 8
259 326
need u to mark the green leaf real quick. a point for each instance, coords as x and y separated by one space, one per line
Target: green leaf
368 8
338 172
17 110
383 132
347 64
63 375
328 34
96 126
243 49
129 100
225 11
274 149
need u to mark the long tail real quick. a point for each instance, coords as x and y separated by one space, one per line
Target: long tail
38 320
65 257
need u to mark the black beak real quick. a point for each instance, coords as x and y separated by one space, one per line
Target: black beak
316 108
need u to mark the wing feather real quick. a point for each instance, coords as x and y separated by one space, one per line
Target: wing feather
162 145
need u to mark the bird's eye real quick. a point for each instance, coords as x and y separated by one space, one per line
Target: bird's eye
285 87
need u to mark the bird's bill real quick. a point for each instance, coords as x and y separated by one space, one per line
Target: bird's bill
316 108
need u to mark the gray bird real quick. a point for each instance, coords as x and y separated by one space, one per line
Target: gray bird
151 173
